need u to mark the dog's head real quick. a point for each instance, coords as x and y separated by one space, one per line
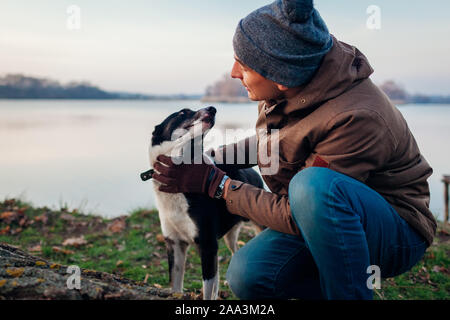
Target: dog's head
184 123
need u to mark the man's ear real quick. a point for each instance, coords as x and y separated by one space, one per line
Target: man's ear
282 88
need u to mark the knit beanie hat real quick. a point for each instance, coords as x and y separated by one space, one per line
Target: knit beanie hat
284 41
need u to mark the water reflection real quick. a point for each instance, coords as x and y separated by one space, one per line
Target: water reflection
88 154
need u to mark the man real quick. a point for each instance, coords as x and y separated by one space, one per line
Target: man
351 190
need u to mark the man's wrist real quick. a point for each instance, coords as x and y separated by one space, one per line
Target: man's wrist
225 188
220 188
216 176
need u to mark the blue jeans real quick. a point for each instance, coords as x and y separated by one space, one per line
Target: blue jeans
345 228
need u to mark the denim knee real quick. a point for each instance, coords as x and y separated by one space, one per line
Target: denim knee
308 192
243 281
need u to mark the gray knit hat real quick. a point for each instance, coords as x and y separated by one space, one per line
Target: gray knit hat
284 41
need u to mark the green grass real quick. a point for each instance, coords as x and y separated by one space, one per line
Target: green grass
137 251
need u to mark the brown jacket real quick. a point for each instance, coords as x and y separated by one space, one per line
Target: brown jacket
342 121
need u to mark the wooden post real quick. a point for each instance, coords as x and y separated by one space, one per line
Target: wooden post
446 181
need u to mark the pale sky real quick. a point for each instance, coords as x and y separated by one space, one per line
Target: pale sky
181 46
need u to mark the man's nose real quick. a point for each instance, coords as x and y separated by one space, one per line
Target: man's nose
236 71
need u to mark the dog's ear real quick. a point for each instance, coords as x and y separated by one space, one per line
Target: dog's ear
157 130
157 135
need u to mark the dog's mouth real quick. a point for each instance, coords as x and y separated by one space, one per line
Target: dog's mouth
208 120
204 118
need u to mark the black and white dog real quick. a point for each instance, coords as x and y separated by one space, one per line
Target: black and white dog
194 218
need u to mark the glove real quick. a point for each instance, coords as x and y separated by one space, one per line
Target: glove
187 178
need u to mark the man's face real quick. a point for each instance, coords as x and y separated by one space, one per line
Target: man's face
258 87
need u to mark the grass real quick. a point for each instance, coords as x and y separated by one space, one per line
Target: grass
132 246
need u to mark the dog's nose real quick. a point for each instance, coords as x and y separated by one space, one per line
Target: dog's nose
211 109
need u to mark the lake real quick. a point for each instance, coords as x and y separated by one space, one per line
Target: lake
88 154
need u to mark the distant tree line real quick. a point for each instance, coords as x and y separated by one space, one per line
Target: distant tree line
226 89
18 86
399 95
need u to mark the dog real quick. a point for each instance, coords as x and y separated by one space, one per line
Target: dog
194 219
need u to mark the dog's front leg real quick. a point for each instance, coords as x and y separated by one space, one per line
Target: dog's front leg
176 254
210 273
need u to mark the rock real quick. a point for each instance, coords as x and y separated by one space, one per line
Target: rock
15 272
23 276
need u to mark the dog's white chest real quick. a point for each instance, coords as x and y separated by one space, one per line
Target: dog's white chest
174 217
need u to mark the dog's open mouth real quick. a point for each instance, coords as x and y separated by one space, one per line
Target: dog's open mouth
207 123
206 120
209 120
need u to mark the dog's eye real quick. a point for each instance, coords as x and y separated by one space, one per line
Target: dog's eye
183 112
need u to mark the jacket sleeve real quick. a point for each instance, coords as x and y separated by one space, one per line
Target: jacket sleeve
265 208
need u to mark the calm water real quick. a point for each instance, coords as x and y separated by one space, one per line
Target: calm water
88 154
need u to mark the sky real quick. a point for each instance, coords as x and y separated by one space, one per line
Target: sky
180 46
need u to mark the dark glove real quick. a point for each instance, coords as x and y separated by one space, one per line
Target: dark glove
187 178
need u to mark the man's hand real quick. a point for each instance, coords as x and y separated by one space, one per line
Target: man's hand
187 178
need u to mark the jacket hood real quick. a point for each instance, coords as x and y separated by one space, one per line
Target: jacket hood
341 69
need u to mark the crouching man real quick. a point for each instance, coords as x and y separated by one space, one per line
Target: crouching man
351 187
